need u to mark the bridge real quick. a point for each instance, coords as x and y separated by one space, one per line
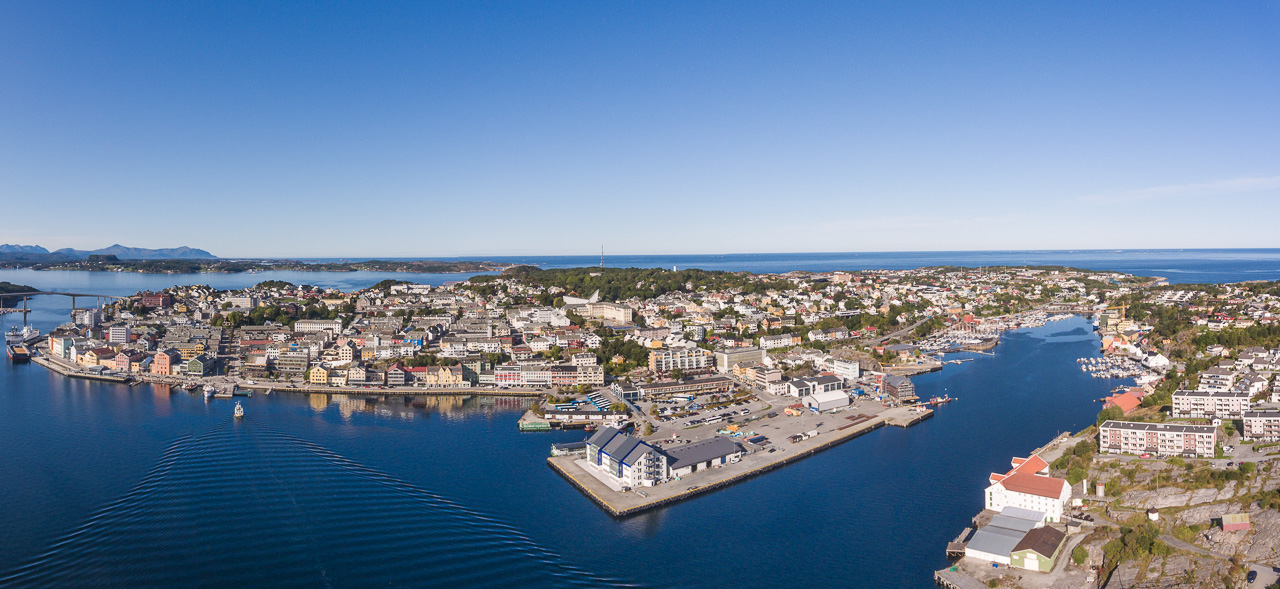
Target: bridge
25 295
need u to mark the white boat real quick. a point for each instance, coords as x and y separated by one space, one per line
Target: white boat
239 410
209 391
19 336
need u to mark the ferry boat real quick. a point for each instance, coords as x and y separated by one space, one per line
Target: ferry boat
21 336
239 410
940 400
18 353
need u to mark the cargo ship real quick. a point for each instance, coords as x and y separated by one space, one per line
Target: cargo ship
18 353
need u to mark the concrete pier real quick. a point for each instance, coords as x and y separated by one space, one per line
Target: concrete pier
620 504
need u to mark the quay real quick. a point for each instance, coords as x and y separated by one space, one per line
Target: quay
621 505
954 578
910 419
72 372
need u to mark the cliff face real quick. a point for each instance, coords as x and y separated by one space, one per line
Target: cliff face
1190 523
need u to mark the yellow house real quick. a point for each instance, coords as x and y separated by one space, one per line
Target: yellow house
437 376
189 350
318 375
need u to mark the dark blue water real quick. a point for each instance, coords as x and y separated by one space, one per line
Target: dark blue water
1178 266
117 486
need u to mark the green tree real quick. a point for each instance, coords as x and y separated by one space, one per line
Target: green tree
1079 555
1110 413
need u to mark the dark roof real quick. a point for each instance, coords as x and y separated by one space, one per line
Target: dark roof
602 436
1043 541
703 451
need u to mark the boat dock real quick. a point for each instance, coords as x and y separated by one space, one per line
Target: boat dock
955 548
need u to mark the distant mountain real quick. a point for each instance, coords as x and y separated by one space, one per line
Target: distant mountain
140 253
8 248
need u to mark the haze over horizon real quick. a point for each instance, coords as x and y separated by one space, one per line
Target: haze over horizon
445 130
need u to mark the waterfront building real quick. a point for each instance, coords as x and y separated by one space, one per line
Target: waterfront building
1262 425
900 388
668 359
201 365
690 458
165 362
1223 404
1038 550
1161 439
625 460
996 541
1028 486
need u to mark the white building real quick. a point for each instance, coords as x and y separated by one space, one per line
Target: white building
846 369
1224 404
770 342
668 359
1028 486
624 460
1162 439
317 325
826 400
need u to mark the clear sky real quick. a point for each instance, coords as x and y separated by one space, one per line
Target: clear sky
442 129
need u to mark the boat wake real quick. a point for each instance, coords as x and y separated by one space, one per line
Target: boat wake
246 505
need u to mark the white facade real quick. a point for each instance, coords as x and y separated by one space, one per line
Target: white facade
1009 493
1223 404
846 369
826 401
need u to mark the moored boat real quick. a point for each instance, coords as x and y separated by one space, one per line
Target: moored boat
18 353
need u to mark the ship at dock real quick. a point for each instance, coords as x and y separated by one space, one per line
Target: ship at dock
18 353
21 336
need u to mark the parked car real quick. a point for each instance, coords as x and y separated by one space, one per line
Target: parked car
1144 455
1253 576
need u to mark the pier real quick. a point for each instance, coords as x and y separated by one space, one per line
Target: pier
625 504
953 578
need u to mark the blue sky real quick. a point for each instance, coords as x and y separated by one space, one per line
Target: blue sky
443 129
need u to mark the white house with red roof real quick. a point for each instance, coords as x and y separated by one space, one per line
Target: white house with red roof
1029 486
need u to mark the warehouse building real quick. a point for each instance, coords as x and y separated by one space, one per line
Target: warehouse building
691 458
